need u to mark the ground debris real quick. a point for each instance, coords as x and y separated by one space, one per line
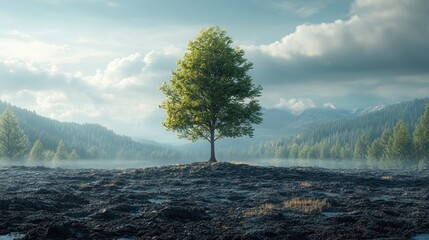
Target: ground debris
213 201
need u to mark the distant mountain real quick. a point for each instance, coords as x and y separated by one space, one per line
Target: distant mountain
282 123
91 141
316 134
358 112
372 120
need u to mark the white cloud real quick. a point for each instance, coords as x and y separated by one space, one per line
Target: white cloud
380 47
122 96
311 40
21 46
135 72
295 105
378 34
120 72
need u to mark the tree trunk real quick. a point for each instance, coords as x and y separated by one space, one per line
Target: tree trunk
212 147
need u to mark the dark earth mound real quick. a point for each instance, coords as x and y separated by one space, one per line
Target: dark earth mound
213 201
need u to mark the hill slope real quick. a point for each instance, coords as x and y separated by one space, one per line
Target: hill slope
284 123
91 141
347 130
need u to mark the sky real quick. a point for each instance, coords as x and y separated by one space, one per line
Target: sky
103 61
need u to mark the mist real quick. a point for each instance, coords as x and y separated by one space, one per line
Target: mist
133 164
93 164
319 163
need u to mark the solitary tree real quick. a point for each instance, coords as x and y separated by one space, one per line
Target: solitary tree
12 138
211 96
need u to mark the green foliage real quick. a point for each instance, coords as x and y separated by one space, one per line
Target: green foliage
49 155
361 147
400 146
304 152
375 152
336 151
294 151
37 152
73 155
61 152
91 141
325 150
13 143
211 96
421 137
387 149
348 130
346 152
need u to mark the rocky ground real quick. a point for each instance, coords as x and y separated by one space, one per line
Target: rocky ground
213 201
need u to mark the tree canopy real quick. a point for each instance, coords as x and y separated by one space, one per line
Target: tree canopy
421 137
211 96
12 139
37 152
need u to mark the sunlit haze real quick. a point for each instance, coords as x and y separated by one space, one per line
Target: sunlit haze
103 61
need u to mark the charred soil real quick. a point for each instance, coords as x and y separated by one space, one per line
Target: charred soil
212 201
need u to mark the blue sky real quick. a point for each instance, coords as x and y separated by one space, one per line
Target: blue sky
103 61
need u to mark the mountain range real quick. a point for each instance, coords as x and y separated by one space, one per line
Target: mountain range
93 141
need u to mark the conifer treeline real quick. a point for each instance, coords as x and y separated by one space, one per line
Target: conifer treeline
47 139
395 137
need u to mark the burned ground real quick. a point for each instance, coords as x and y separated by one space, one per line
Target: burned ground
213 201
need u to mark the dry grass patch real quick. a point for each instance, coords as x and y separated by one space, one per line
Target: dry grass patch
387 178
264 209
305 184
306 205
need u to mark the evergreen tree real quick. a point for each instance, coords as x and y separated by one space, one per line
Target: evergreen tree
400 147
61 152
304 152
282 152
294 151
211 96
361 147
73 155
336 151
384 141
325 150
375 152
12 138
421 137
37 152
49 155
346 152
314 152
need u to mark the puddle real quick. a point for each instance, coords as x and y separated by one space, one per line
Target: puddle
159 200
421 237
331 214
12 236
380 198
332 195
137 214
410 200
